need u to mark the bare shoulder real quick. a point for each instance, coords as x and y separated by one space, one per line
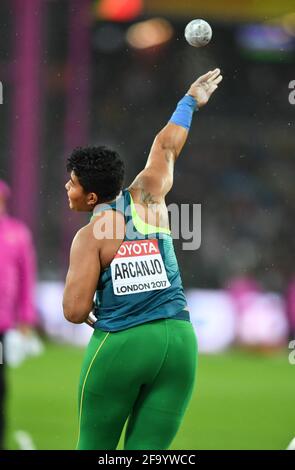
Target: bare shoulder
108 225
85 235
84 247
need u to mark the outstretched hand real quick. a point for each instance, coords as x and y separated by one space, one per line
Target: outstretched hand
205 86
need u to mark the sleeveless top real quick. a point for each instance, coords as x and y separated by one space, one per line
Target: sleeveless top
143 282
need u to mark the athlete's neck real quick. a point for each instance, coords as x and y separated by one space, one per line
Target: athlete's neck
106 203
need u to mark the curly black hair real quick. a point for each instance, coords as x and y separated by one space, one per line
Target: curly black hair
99 170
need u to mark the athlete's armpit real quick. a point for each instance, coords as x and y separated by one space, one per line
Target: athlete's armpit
147 198
154 181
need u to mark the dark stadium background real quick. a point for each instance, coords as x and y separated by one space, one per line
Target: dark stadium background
84 84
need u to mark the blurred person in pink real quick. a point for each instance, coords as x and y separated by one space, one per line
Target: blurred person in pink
242 289
261 316
17 282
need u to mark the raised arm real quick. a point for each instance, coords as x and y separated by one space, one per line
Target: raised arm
156 179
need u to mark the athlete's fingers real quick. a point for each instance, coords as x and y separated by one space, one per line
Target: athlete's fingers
214 75
213 88
205 77
208 75
217 80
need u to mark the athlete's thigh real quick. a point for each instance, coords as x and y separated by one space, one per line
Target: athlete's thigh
161 405
106 393
175 380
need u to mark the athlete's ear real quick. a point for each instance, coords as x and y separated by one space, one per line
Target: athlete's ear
92 199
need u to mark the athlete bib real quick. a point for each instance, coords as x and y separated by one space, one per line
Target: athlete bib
138 267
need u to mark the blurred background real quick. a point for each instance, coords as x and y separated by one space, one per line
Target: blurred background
78 72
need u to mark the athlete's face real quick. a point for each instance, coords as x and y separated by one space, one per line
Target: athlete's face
78 199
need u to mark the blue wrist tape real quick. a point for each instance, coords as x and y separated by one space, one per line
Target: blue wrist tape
183 114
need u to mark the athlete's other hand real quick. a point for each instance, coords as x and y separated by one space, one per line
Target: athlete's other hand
204 86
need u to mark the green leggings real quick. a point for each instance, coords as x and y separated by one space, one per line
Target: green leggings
145 373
